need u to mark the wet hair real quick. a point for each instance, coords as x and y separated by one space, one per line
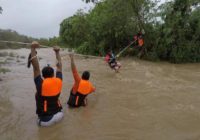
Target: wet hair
86 75
47 72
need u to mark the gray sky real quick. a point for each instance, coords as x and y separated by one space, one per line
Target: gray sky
38 18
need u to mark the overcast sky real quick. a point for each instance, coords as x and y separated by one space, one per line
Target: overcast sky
38 18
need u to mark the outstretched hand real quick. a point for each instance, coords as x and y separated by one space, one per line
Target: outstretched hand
35 44
56 48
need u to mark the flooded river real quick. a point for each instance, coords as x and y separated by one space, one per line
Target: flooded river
145 101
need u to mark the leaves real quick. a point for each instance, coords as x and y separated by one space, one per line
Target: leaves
172 30
180 34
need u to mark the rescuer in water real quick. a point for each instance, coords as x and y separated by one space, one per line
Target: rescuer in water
48 86
81 88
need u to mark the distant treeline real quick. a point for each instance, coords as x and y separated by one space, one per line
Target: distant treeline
172 29
10 35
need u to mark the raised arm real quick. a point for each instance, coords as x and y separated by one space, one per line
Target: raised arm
59 62
74 70
34 60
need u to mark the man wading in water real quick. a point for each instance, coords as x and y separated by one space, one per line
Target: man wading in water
49 109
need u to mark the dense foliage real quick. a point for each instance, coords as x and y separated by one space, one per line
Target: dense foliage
172 30
179 35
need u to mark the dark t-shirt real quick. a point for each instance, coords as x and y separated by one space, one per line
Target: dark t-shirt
38 83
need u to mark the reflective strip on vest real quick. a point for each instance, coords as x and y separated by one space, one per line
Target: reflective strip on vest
85 87
51 87
45 106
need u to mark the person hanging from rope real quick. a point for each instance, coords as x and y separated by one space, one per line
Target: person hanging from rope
82 87
139 43
48 106
138 40
111 60
135 40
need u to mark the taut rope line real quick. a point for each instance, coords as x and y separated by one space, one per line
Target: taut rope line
44 46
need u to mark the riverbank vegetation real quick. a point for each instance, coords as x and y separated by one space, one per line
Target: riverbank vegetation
4 70
11 35
172 29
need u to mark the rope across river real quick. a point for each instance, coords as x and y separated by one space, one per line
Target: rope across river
45 46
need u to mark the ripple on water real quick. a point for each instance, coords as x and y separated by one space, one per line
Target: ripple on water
144 101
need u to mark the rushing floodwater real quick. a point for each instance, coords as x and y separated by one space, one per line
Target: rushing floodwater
145 101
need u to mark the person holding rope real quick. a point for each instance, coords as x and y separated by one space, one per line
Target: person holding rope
111 60
48 106
138 40
139 43
81 88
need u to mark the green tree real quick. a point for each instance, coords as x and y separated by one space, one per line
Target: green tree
171 30
54 41
110 25
73 30
176 41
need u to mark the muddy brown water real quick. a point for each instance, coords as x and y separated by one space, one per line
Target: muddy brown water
145 101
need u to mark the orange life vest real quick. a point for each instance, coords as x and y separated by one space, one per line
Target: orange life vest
49 103
51 87
78 99
140 42
85 87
